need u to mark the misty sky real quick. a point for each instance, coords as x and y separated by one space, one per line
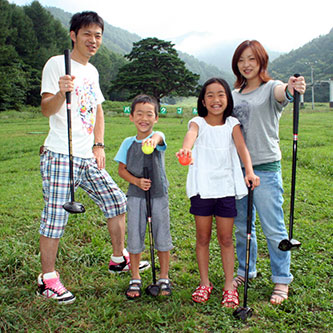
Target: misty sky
279 25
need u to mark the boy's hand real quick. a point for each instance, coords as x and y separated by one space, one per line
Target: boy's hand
150 142
143 183
252 178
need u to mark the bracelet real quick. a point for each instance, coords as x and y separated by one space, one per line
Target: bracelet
289 96
99 144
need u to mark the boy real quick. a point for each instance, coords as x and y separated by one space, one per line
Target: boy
131 159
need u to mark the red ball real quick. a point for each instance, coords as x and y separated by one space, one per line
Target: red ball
184 160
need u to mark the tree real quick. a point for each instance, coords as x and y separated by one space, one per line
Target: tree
107 64
52 38
14 82
155 69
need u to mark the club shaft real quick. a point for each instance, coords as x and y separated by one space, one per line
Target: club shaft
294 160
248 242
69 125
150 227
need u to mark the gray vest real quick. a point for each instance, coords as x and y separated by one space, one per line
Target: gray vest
136 160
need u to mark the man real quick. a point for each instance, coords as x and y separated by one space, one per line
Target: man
86 32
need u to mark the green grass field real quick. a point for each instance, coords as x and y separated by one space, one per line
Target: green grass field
101 305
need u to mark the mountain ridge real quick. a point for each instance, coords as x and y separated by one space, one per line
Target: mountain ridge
121 41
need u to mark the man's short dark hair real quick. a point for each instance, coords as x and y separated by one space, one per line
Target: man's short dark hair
85 19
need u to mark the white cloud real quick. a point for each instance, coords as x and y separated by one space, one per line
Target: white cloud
280 25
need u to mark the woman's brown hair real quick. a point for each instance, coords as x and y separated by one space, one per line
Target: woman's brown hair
261 57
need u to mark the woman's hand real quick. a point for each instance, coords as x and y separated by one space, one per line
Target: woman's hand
297 83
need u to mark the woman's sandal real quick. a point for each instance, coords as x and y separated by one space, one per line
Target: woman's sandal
134 286
238 281
202 294
230 296
278 294
165 287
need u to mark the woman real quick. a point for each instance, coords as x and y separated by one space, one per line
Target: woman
258 104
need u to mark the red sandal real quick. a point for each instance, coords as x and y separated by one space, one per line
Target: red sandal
230 296
202 294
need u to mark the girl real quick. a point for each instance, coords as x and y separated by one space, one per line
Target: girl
214 180
259 101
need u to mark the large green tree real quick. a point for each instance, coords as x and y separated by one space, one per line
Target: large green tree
155 69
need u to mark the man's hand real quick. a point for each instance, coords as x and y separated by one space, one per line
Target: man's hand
100 157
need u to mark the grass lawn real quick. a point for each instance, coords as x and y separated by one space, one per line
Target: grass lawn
101 305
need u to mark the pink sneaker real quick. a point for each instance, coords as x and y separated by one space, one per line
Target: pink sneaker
126 265
54 289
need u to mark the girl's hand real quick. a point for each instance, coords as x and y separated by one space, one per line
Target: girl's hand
143 183
254 179
185 152
297 83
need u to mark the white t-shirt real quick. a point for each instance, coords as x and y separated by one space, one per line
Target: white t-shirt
84 100
216 171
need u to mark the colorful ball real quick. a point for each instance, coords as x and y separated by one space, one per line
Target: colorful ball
184 160
147 149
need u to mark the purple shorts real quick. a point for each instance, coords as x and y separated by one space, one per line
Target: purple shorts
222 207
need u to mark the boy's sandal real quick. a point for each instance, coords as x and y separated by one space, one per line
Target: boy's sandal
134 286
278 293
230 296
238 281
165 287
202 294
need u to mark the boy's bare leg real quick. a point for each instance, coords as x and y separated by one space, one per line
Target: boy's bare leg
164 259
135 263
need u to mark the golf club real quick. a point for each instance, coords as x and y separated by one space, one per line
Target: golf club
70 206
245 312
153 289
293 244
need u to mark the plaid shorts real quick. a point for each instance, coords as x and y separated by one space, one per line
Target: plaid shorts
97 183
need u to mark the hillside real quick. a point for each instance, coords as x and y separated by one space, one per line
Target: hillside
215 52
115 39
120 41
318 55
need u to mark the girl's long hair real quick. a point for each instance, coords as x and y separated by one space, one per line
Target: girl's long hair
261 57
202 110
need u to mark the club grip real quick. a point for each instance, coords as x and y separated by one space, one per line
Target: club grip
67 62
147 193
249 210
68 71
145 173
296 110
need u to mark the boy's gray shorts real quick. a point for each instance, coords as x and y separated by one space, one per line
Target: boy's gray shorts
137 222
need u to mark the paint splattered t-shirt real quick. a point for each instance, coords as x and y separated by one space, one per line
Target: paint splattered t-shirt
84 100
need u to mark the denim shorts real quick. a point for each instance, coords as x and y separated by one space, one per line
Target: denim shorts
97 183
222 207
137 223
